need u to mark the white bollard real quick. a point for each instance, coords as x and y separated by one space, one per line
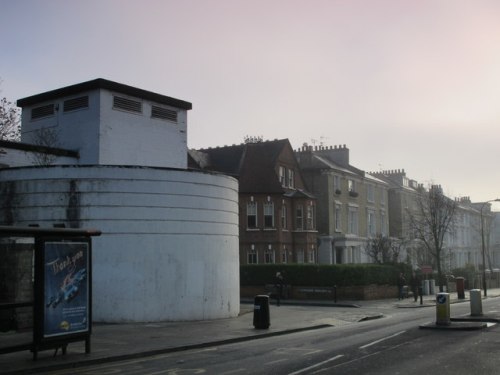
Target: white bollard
432 286
476 303
443 309
426 287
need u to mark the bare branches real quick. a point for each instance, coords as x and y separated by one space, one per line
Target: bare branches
46 137
381 249
431 221
10 123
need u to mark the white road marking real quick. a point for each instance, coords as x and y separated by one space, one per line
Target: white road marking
329 369
316 365
382 339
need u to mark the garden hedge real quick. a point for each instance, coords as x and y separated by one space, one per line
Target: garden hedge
323 275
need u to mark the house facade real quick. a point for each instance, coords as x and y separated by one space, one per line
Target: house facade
277 215
462 243
403 194
352 204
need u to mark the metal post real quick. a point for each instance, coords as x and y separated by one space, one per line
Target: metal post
482 245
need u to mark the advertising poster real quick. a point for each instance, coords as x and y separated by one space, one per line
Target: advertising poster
66 288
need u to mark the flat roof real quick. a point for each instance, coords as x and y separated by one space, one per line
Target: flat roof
101 83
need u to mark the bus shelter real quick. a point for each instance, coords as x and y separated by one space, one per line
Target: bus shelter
61 282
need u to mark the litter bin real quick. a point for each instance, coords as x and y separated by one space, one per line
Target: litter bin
261 319
460 287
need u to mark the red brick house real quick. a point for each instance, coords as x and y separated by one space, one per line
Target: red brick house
277 215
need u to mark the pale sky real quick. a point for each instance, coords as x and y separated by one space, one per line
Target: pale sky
411 85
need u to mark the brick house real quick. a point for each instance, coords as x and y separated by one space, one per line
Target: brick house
277 215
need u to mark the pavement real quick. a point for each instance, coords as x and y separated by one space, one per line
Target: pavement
115 342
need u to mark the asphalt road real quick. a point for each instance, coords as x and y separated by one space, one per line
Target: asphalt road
392 345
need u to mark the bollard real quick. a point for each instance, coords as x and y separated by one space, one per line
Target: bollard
443 309
460 282
426 287
420 294
432 287
476 303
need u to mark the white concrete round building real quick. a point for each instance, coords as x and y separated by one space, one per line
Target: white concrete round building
169 244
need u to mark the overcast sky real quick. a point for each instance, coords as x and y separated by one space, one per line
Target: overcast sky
411 85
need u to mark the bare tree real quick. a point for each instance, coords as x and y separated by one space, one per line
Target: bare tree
10 123
431 221
382 250
45 138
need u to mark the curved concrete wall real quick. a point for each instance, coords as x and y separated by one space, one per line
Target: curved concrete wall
169 248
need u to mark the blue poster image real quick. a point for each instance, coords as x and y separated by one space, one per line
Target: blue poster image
66 288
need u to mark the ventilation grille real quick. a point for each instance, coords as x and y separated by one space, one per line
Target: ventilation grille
43 111
127 104
163 113
76 103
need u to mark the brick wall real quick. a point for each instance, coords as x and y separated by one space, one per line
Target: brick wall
367 292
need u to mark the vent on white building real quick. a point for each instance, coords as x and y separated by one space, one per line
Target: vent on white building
43 111
76 103
163 113
127 104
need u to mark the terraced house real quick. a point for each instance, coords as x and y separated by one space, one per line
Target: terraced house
277 215
352 204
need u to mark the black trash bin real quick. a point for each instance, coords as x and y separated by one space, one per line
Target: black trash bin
261 319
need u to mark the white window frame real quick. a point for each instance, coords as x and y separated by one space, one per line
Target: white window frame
351 185
269 256
268 214
300 256
282 176
352 220
371 225
336 183
383 225
370 193
311 256
338 217
251 256
291 178
283 217
252 212
284 255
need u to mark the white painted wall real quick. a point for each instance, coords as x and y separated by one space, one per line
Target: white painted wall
10 157
169 248
127 138
76 130
106 136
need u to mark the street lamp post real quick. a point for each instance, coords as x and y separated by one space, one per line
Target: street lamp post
482 244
